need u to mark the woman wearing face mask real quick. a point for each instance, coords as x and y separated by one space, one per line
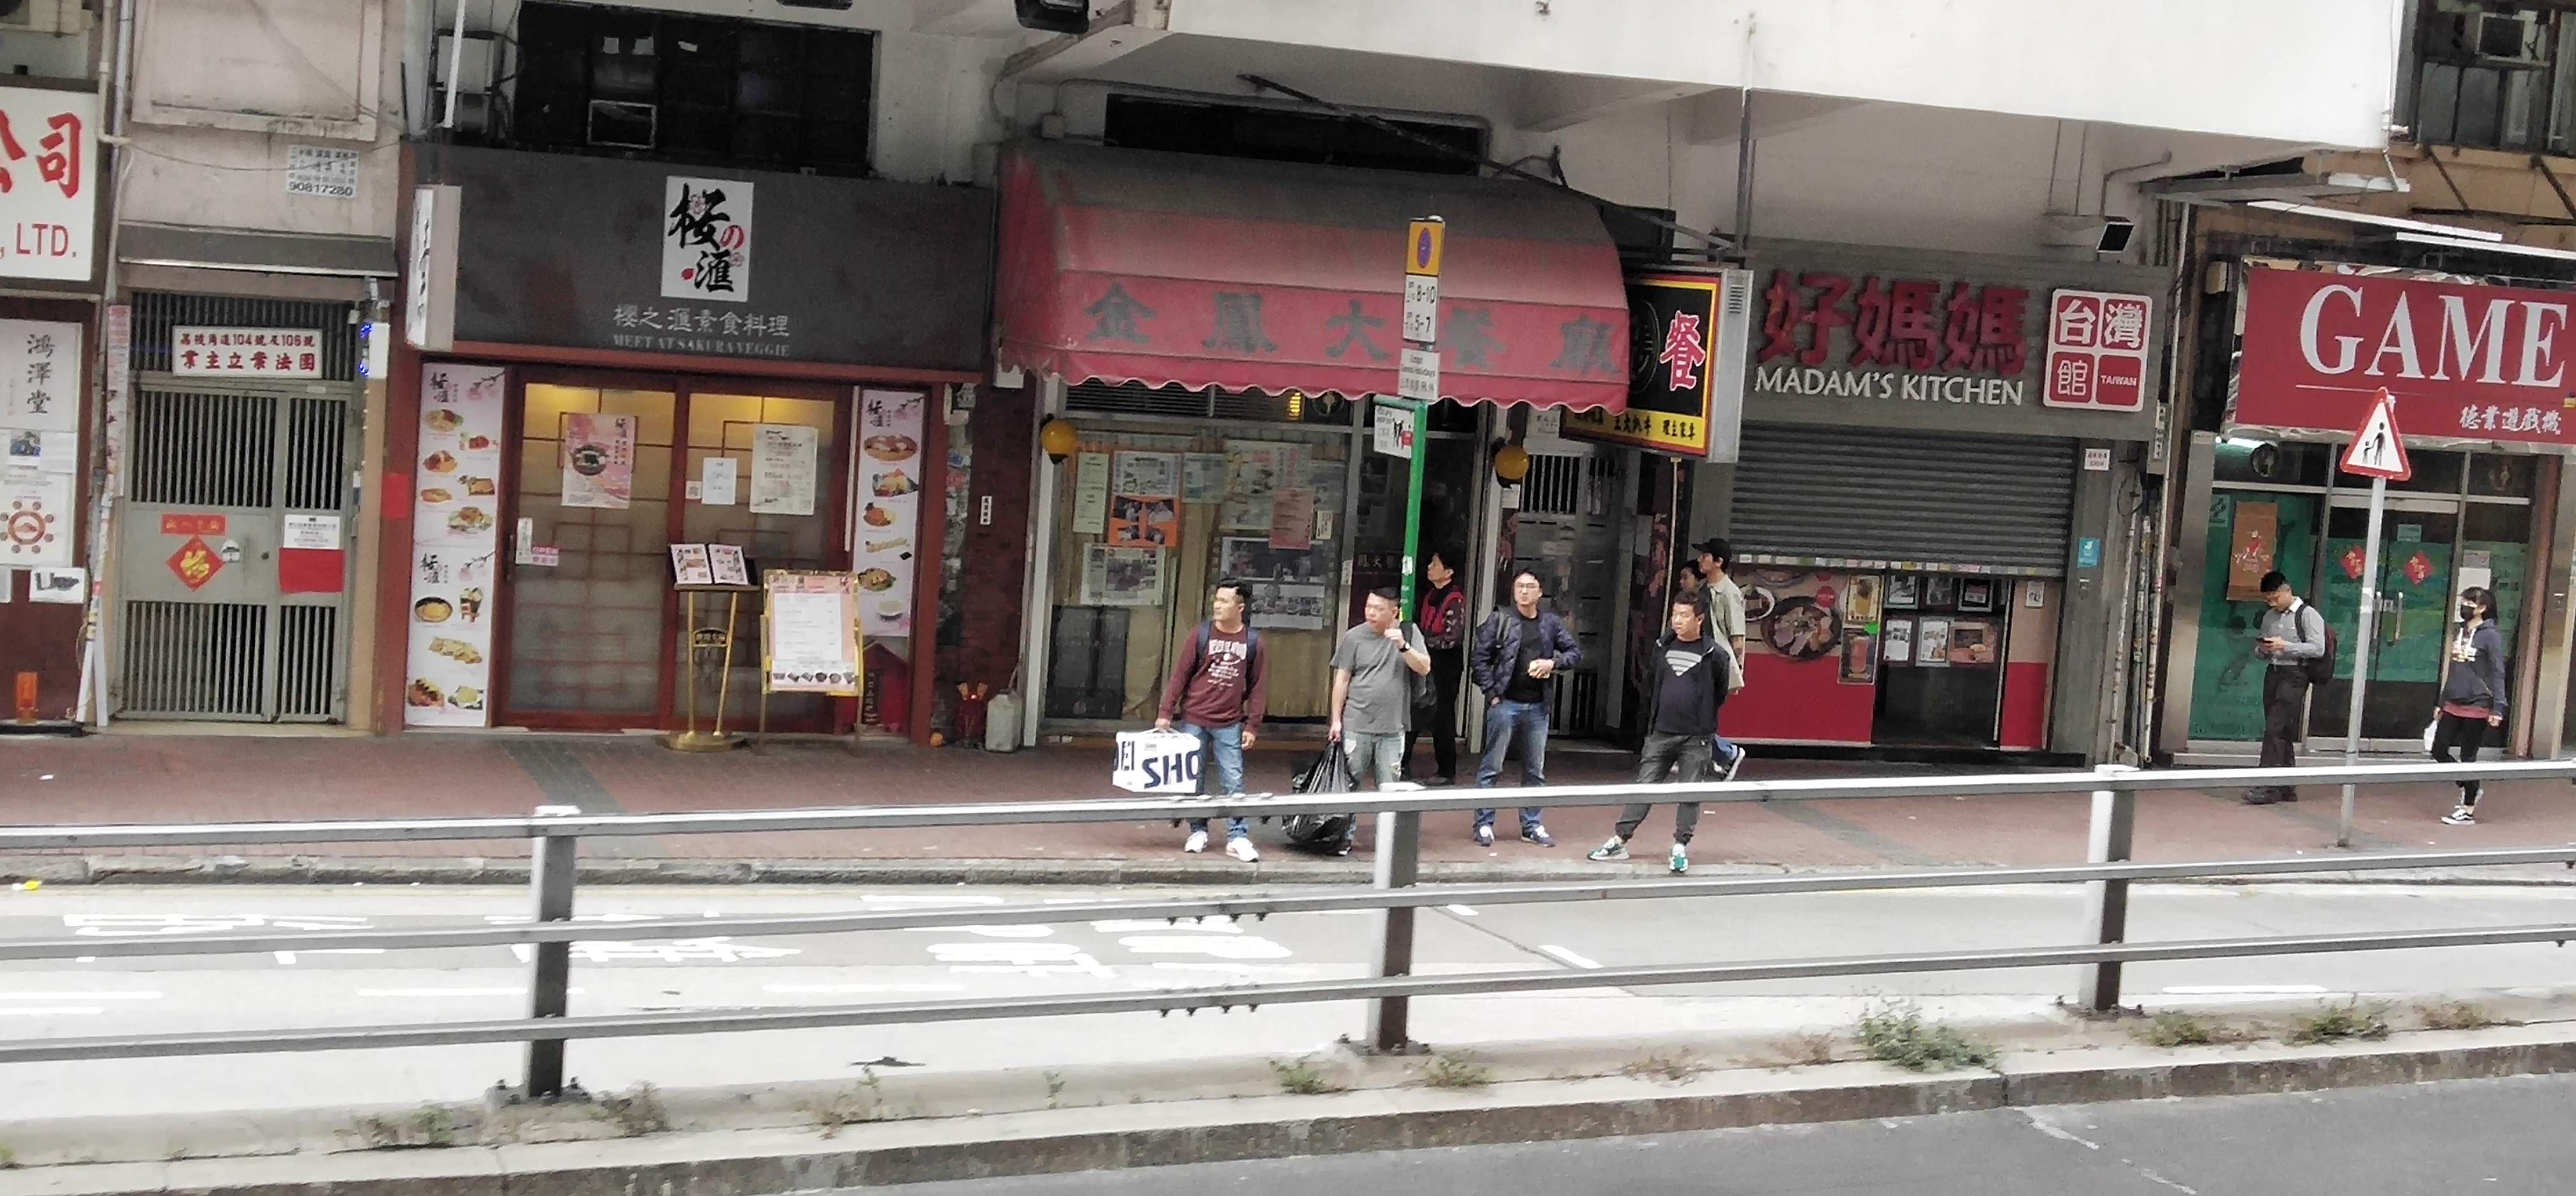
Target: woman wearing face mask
2472 694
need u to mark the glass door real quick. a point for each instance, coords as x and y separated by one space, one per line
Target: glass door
2417 536
585 630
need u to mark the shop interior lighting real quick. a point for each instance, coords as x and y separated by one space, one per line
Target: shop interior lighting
2350 217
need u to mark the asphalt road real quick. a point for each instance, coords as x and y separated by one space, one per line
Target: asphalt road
2504 1137
1015 956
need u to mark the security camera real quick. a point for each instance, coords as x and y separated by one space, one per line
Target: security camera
2101 234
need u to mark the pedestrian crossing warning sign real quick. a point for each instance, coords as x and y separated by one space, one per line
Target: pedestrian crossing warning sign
2376 450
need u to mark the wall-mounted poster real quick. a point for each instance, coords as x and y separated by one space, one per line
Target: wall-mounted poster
37 508
884 554
1860 658
1289 590
598 460
1861 601
1896 641
1932 644
1148 475
782 468
1114 576
1253 469
1972 643
1292 517
455 546
1203 477
2255 543
1904 591
1977 595
1940 592
1139 522
1090 493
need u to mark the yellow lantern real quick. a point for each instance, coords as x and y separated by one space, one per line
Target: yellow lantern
1059 438
1511 464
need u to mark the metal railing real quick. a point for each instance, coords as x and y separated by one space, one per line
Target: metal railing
557 831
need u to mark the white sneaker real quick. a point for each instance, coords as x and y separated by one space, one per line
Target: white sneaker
1240 847
1484 836
1615 849
1681 859
2462 816
1197 843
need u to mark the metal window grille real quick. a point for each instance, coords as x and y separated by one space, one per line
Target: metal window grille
199 658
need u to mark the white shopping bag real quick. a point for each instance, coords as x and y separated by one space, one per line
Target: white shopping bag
1165 762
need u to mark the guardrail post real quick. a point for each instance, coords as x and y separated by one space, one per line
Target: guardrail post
2106 902
1399 864
550 965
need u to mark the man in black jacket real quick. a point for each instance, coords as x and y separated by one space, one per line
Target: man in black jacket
1698 671
1517 651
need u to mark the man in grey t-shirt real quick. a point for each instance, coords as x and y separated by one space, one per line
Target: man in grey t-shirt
1372 697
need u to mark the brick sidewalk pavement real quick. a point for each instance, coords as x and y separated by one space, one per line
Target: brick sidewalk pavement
186 778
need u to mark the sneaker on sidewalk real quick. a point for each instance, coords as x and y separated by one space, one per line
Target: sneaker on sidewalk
1727 771
1197 843
2462 816
1485 835
1681 859
1241 848
1538 835
1615 849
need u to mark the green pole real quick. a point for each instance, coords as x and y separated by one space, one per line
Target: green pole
1413 505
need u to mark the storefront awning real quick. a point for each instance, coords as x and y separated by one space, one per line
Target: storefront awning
1130 266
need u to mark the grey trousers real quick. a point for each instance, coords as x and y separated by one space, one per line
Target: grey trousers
1657 758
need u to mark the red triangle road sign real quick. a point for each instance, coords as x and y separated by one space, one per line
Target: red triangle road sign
2377 450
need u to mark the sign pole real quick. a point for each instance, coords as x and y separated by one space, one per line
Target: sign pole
2379 452
2362 631
1417 380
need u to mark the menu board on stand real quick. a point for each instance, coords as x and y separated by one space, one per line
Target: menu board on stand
809 635
455 549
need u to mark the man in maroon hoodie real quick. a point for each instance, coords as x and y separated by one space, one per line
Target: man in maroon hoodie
1217 690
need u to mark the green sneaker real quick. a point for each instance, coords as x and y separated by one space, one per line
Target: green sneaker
1615 849
1681 858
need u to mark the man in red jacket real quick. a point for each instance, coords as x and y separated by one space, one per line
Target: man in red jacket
1217 690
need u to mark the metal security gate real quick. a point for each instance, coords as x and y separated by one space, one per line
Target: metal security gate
1883 496
227 482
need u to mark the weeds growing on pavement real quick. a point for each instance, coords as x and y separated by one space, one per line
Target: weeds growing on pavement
637 1111
1897 1034
1456 1071
2173 1028
1303 1078
1813 1049
8 1159
2335 1023
1055 1087
861 1102
2457 1015
432 1127
1671 1069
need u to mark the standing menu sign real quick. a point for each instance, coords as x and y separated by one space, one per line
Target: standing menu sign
456 543
812 640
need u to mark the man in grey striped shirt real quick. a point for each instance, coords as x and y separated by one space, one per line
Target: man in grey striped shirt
2293 633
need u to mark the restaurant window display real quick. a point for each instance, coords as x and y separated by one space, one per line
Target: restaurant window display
1149 518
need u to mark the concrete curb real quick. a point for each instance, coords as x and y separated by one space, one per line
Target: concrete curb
753 1163
510 870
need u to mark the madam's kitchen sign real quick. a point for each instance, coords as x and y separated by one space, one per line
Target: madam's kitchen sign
2485 363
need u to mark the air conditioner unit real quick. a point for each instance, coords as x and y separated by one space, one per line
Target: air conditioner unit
2506 38
62 18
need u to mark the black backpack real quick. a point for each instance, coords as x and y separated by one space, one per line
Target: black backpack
1251 647
2320 669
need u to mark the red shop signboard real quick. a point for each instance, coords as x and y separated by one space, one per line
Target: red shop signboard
2470 362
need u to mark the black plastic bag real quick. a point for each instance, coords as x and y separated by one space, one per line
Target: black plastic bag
1329 773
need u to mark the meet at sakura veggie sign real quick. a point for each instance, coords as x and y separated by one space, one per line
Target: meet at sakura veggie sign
2464 362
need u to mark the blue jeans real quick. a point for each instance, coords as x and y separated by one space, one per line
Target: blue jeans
1224 765
1503 721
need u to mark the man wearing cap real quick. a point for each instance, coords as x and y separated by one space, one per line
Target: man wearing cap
1725 602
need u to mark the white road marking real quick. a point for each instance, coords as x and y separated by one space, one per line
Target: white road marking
288 957
1023 930
863 988
906 899
2240 990
51 1010
1570 957
1462 911
442 992
2054 1132
1220 947
116 995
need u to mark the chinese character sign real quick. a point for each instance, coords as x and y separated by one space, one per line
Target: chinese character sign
48 189
2097 351
1673 334
246 352
706 239
40 376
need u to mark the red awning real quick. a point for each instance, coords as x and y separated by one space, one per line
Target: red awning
1130 266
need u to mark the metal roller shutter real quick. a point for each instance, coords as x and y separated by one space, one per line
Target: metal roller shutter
1999 503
